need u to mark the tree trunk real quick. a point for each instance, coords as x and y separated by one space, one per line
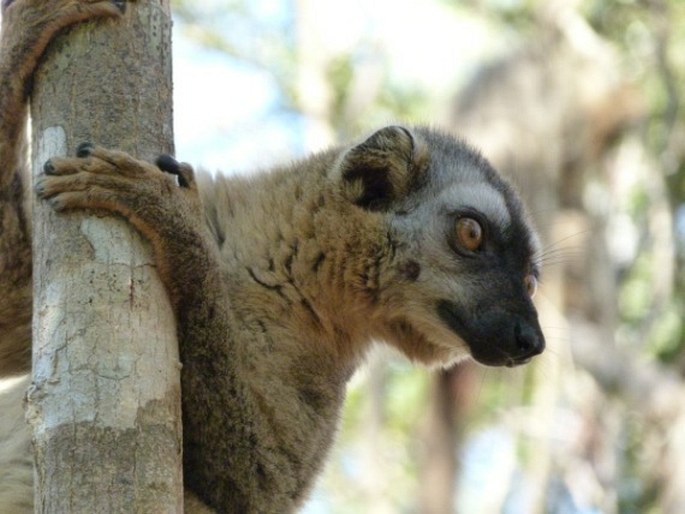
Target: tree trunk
438 463
450 401
105 399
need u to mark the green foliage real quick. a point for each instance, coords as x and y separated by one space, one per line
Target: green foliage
407 388
652 46
635 297
668 333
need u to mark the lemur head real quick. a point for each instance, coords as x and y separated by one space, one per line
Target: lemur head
461 272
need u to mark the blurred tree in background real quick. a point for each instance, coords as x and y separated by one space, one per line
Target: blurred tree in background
580 103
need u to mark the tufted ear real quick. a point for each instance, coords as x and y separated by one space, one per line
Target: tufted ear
384 168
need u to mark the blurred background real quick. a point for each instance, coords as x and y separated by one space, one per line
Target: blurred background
579 102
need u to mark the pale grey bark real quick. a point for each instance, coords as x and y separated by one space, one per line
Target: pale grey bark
105 399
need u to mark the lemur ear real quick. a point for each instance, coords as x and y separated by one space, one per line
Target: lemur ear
383 168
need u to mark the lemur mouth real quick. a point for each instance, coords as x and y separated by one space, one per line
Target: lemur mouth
495 337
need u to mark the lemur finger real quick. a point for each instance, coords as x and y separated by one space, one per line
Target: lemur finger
70 166
95 159
166 162
121 5
184 172
48 186
84 149
108 5
81 11
112 7
103 200
124 163
62 166
92 198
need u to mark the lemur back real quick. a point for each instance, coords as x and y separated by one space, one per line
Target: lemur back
281 282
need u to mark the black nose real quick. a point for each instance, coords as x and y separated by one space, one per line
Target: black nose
529 342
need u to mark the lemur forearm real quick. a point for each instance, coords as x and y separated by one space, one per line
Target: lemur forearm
23 40
15 235
18 60
211 359
15 282
219 396
14 81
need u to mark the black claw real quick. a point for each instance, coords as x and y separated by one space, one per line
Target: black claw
183 172
84 149
167 163
121 5
183 181
48 168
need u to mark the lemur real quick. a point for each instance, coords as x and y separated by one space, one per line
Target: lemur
280 281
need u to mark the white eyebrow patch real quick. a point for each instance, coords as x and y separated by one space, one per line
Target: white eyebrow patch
481 197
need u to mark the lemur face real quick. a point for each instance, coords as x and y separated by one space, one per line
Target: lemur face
464 263
476 250
492 310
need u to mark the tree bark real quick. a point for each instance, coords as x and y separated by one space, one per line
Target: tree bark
105 399
438 461
451 397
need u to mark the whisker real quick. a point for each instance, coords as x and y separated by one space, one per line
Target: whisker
556 243
556 259
558 250
560 246
570 252
555 262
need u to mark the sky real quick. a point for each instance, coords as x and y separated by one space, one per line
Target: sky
226 112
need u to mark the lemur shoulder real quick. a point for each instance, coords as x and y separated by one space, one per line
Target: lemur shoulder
280 281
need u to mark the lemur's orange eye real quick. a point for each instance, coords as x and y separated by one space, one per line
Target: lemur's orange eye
469 234
531 285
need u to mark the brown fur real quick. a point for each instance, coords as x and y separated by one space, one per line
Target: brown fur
274 320
281 282
27 28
